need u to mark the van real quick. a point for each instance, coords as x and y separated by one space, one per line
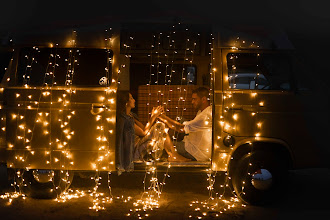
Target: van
58 105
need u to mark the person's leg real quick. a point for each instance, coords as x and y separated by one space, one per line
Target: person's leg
173 155
180 147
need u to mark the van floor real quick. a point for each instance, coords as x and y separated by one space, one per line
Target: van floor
174 166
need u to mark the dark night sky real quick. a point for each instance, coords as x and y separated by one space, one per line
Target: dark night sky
305 22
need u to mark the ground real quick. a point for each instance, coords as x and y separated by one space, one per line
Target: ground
307 198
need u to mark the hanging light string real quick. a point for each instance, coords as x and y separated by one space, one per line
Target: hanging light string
257 128
169 81
128 47
21 126
28 70
215 204
158 67
66 115
146 200
167 74
181 98
109 67
99 199
63 142
108 40
152 191
17 184
152 188
191 64
212 70
150 74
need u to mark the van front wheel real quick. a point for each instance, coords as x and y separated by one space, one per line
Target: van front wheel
46 184
258 178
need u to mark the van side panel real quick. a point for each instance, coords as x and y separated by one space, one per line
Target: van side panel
47 131
2 128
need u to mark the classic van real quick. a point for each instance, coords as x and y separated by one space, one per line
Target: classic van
58 105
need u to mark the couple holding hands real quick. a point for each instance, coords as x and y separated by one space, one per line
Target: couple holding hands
133 137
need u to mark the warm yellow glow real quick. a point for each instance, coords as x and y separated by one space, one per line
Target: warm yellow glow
101 98
223 156
227 126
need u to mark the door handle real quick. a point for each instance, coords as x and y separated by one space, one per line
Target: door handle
238 108
97 108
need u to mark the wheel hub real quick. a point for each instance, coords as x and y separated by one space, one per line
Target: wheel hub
262 179
43 176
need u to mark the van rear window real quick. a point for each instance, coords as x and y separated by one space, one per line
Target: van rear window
62 66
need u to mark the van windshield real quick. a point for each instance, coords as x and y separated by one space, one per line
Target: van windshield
270 71
82 67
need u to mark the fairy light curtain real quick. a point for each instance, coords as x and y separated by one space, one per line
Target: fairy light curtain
161 67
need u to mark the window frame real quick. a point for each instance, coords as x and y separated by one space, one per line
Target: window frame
225 77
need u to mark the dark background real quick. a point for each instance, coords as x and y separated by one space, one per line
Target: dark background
305 22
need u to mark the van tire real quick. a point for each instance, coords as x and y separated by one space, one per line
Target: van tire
48 190
251 163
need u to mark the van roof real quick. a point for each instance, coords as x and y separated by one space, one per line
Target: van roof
93 35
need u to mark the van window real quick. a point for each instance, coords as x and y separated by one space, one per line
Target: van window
267 71
53 66
162 74
142 73
5 57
